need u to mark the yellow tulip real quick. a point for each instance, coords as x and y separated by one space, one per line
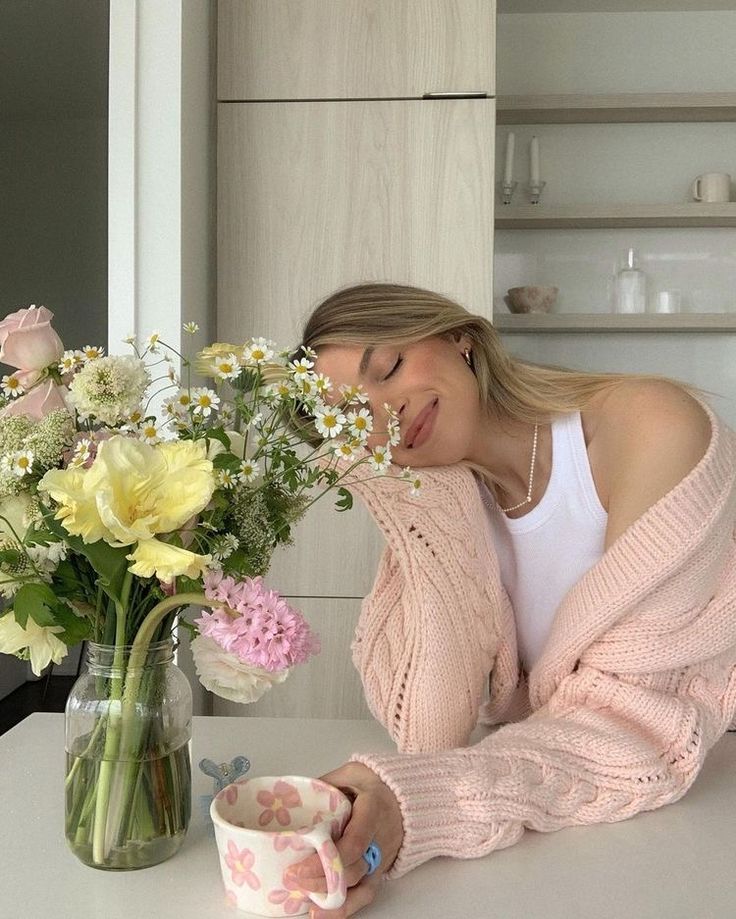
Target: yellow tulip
133 490
166 561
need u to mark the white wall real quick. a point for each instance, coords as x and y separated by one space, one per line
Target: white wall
638 163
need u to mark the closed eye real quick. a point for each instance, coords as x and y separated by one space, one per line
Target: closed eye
395 367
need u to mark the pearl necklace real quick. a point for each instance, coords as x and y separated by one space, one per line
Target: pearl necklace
528 498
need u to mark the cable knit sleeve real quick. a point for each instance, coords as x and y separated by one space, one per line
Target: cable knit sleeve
427 636
635 686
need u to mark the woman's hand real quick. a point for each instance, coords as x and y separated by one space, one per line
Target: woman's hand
376 816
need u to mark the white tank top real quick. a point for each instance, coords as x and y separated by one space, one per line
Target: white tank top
542 554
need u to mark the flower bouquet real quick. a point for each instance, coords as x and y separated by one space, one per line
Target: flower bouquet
115 518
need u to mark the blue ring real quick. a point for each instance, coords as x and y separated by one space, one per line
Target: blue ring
372 855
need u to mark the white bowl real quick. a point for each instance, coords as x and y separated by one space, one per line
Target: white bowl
531 299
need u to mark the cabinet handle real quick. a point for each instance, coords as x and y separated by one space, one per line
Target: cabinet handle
469 95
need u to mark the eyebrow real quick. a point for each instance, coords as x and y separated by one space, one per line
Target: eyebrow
365 360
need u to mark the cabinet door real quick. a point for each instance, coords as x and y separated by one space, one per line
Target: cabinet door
354 49
313 196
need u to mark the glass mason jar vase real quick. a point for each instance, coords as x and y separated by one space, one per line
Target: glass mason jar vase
128 773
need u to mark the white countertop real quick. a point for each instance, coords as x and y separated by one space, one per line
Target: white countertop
673 863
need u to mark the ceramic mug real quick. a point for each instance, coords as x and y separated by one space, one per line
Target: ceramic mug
263 825
712 186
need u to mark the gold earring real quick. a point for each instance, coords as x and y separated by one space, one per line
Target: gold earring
467 358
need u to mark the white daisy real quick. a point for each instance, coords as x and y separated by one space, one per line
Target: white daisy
149 432
225 478
347 449
205 401
226 368
249 470
257 351
352 394
361 423
21 462
191 327
91 353
12 386
182 401
68 361
329 420
394 433
308 352
227 413
322 384
380 458
301 368
135 417
152 340
81 453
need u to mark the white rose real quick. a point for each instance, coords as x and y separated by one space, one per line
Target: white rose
226 676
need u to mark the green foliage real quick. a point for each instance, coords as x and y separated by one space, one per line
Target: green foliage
36 600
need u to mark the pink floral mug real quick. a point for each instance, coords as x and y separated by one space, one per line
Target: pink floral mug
263 825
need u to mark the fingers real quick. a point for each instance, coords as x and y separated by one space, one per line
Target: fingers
358 897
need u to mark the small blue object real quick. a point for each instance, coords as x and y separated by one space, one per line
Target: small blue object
223 774
373 856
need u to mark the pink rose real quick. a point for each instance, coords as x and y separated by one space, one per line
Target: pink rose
27 340
39 402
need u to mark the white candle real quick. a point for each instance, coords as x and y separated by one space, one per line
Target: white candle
508 174
534 177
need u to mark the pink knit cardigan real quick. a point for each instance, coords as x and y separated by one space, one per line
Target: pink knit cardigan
636 683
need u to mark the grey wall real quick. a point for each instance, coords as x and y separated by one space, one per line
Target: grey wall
53 176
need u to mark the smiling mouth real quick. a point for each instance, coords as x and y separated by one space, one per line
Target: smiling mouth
419 430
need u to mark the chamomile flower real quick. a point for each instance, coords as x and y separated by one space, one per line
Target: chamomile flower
256 421
153 340
301 368
308 352
249 471
224 546
149 432
91 353
322 384
394 433
257 351
227 414
347 449
204 401
12 386
353 394
225 478
135 417
380 458
182 401
329 420
227 367
283 389
21 463
361 423
191 327
69 361
82 452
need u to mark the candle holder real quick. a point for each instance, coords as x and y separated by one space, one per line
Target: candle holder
534 190
506 190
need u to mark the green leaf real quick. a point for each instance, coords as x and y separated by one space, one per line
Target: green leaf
37 601
219 434
76 628
346 500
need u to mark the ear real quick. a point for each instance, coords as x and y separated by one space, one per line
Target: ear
461 340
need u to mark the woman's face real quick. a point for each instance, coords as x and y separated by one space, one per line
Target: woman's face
428 380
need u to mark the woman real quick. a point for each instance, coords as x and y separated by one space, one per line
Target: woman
576 527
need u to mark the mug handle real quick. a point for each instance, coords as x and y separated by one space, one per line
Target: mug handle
321 840
696 193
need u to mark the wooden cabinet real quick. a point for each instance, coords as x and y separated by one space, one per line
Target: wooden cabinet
354 49
335 168
318 195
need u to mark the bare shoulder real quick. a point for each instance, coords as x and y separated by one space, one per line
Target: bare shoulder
651 434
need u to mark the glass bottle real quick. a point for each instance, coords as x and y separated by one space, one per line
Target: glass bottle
128 723
630 287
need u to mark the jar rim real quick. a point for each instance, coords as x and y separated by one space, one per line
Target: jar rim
151 646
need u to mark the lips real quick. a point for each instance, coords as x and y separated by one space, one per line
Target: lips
416 426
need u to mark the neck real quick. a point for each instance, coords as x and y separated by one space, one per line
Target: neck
504 449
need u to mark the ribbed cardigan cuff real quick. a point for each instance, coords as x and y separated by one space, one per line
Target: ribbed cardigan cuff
428 807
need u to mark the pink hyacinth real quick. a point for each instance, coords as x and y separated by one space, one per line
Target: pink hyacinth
257 626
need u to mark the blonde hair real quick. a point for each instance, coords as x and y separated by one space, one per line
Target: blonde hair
510 388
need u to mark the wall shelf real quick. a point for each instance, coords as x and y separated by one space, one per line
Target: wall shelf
616 108
576 216
615 322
